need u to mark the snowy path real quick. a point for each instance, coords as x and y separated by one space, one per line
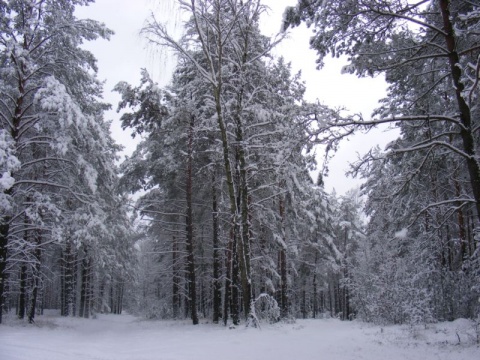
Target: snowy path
126 338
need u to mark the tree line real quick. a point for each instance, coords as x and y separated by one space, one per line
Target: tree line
227 223
65 238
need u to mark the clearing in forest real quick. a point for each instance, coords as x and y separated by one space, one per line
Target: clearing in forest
113 337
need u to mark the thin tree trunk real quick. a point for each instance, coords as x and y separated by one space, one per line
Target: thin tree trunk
283 264
23 289
244 245
36 279
85 289
346 298
217 286
234 283
68 286
120 298
462 233
315 295
304 298
4 229
189 229
175 280
228 279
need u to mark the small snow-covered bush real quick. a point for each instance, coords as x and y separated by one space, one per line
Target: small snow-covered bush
266 309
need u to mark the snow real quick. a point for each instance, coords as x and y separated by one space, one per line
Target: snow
6 181
402 234
125 337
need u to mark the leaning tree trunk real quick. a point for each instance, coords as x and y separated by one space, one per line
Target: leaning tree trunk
235 236
466 130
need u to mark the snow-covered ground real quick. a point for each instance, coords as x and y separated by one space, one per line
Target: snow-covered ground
113 337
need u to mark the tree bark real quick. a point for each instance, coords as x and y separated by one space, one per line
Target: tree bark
234 283
175 280
189 228
283 263
315 291
466 131
35 278
4 229
23 292
68 296
217 287
85 292
228 279
244 245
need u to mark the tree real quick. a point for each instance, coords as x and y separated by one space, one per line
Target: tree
63 184
169 118
216 27
422 47
248 119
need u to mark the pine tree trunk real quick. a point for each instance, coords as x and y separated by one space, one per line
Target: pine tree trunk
101 297
217 286
23 290
462 233
243 248
283 264
22 305
4 230
304 299
120 298
346 298
315 295
89 293
234 284
5 220
85 289
228 279
36 279
189 229
111 301
232 198
284 286
244 245
175 280
465 114
68 281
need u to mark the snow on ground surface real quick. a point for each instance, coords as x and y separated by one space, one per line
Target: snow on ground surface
114 337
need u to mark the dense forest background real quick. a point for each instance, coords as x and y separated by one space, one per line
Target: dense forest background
215 215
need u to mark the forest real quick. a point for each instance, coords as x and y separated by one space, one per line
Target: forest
216 215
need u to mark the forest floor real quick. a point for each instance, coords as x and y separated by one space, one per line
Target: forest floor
125 337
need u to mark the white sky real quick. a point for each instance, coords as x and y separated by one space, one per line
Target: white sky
121 59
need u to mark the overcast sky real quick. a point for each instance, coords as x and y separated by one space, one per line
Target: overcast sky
121 59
